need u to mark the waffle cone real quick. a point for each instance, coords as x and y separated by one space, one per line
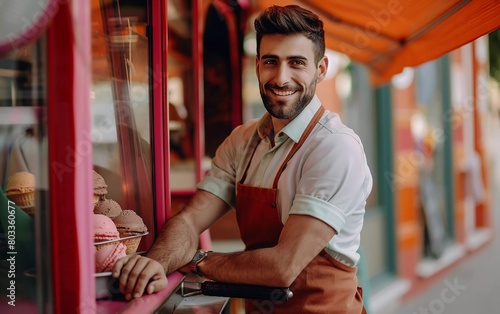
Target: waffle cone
24 200
100 246
97 198
132 244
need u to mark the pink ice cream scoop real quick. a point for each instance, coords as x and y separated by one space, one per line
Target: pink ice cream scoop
104 229
107 255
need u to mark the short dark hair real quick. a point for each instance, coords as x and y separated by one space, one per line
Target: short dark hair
291 19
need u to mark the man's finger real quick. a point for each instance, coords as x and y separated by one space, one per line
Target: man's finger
159 283
139 277
125 271
118 266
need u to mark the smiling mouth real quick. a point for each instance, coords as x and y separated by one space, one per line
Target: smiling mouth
283 92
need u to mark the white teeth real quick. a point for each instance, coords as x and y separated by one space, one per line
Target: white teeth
283 93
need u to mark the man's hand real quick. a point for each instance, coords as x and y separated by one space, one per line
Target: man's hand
139 274
174 247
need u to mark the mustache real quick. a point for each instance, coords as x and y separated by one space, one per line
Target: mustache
284 87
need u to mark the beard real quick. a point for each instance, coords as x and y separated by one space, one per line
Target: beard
284 110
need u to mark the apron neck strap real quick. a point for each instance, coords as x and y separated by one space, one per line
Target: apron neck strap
301 141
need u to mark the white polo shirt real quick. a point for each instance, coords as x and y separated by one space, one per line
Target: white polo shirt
328 177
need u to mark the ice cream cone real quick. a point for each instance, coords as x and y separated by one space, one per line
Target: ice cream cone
128 223
108 207
132 244
100 187
24 200
107 255
97 198
101 246
21 191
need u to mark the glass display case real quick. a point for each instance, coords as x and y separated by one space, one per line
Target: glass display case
183 98
75 105
23 175
87 118
120 107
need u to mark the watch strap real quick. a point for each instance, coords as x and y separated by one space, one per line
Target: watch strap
199 256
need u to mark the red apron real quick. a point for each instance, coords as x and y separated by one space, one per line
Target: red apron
324 285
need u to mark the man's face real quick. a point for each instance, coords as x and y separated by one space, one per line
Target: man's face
288 74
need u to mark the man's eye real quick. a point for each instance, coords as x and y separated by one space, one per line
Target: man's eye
298 62
269 62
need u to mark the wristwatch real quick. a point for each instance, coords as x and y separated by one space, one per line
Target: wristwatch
197 258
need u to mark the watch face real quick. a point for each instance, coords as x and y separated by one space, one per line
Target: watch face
198 255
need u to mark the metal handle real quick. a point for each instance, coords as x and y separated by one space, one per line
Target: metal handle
222 289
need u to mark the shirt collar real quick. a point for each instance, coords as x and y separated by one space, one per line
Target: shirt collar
265 125
296 127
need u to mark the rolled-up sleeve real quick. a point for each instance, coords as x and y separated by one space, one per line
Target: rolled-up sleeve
220 188
221 179
317 208
334 181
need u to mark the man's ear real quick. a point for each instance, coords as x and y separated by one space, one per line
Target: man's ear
322 68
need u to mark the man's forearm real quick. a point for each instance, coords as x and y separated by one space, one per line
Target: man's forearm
178 241
259 267
301 240
175 245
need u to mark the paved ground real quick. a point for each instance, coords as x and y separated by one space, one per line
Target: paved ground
474 286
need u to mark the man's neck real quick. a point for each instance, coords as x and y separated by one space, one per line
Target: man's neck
279 124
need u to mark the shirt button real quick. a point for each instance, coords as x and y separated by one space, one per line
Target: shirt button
273 205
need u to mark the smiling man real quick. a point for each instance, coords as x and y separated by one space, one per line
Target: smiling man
297 178
288 82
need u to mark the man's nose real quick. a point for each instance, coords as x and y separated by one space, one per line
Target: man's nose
282 75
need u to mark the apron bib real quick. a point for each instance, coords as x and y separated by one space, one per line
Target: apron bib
325 285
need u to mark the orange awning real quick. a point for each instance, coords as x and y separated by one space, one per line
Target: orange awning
388 35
